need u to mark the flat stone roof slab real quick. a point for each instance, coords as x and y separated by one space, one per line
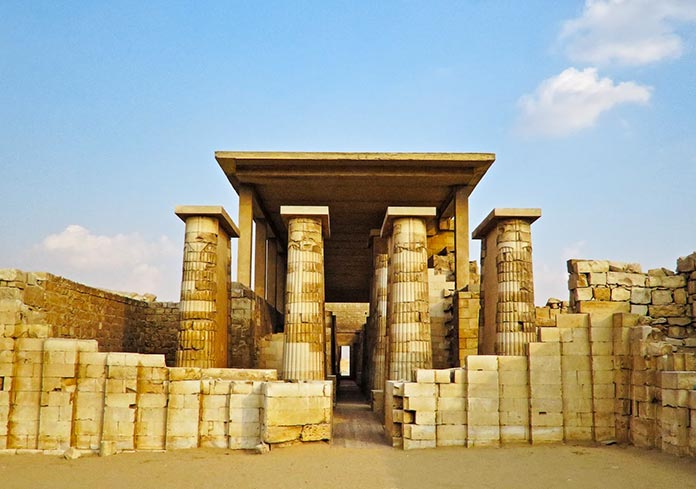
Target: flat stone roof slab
504 213
320 211
216 211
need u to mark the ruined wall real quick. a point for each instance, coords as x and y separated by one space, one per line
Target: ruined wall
661 294
60 393
252 319
594 377
41 304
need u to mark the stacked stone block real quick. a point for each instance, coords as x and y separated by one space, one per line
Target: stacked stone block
675 420
513 375
394 415
39 305
89 400
483 401
603 364
297 411
6 371
420 408
246 403
152 398
183 409
25 396
546 392
576 371
451 416
58 386
444 344
467 306
660 294
118 430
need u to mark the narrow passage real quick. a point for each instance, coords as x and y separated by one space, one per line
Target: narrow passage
355 425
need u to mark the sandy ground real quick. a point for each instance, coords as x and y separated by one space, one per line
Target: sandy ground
323 466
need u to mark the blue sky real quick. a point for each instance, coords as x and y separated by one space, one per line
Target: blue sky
110 113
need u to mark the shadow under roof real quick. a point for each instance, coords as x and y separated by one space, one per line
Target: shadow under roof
357 188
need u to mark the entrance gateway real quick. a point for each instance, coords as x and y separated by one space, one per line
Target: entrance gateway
340 249
351 194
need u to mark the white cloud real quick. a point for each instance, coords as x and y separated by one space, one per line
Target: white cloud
551 276
629 32
126 262
573 100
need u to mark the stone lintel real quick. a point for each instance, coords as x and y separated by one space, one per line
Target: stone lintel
503 214
400 212
320 211
216 211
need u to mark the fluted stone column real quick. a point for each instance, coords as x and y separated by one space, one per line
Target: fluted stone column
507 280
378 311
303 352
409 309
205 287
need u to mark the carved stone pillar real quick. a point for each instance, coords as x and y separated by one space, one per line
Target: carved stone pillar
205 286
507 288
303 352
409 308
378 311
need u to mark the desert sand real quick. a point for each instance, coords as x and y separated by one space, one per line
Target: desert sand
324 466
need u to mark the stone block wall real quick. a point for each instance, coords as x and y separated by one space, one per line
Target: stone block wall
38 304
601 375
58 393
252 318
661 294
442 334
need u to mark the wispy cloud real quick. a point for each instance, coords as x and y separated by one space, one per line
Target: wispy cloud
551 276
573 100
627 32
126 262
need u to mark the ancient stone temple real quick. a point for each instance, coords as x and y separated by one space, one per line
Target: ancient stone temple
353 280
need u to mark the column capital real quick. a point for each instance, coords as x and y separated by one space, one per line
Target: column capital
404 212
218 212
319 211
504 214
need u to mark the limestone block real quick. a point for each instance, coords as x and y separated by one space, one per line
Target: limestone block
641 310
584 294
546 434
548 335
602 293
597 278
298 389
425 418
667 282
245 401
620 294
451 435
451 417
482 412
419 432
424 375
443 376
280 434
662 297
316 432
418 444
420 403
412 389
626 279
669 310
587 266
482 362
451 390
483 436
572 321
